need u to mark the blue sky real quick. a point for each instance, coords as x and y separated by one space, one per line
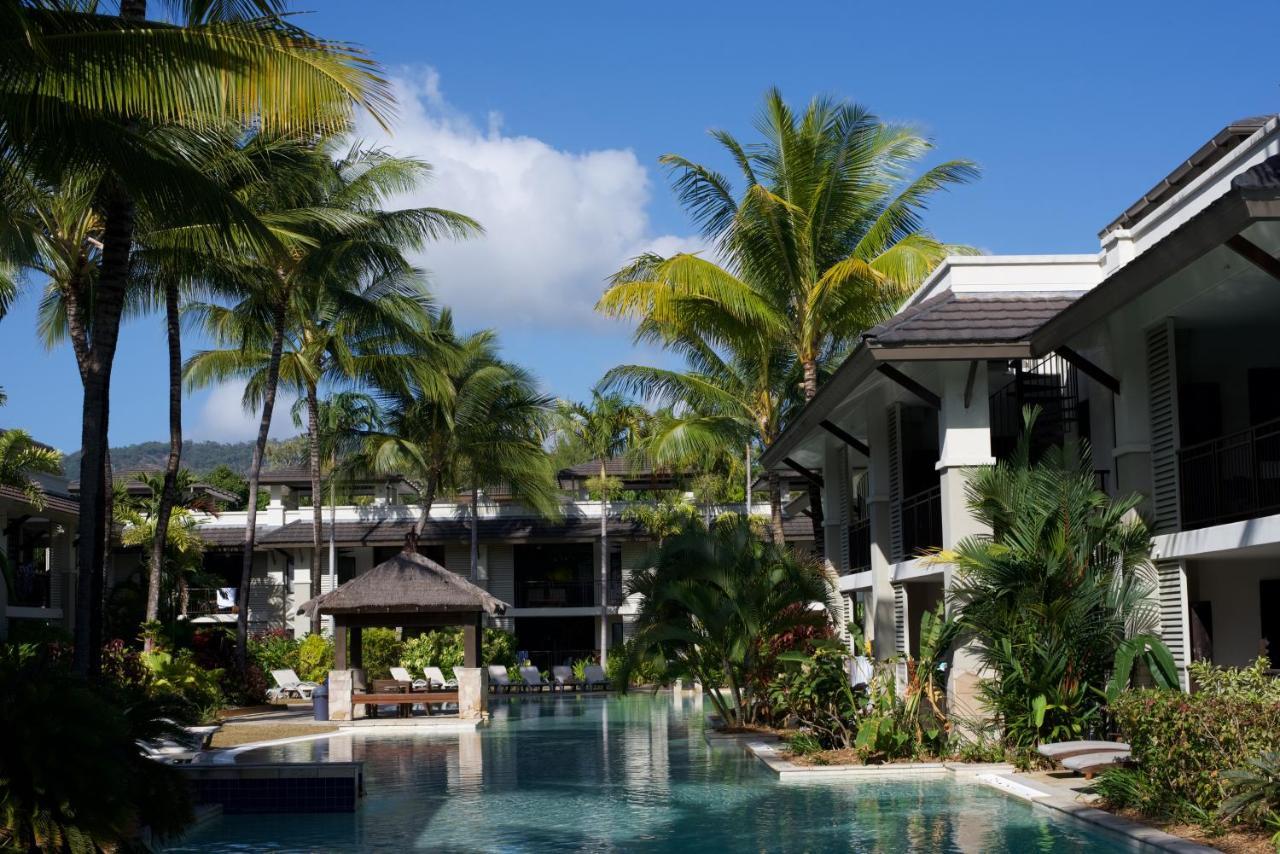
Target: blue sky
545 121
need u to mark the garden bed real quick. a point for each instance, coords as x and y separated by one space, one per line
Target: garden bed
1234 841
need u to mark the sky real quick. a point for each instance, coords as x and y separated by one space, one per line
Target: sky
545 122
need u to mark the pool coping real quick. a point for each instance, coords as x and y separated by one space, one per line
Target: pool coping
227 755
999 776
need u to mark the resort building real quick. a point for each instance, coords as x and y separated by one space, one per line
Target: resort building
1158 349
38 544
549 570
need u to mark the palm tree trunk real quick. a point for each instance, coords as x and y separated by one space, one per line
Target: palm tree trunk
428 498
810 379
113 274
475 531
746 457
604 565
167 497
255 471
109 524
317 512
775 507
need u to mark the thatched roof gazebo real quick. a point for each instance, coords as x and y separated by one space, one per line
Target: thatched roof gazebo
408 590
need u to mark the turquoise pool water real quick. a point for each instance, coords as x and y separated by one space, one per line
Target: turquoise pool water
626 774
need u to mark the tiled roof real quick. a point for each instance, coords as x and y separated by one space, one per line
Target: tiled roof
393 532
221 536
952 318
52 500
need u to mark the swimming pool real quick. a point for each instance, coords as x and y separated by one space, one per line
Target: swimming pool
626 774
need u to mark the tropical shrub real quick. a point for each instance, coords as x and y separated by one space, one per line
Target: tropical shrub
179 675
710 602
1255 794
71 776
443 648
1184 743
1057 599
815 690
215 649
274 650
315 658
124 666
381 650
623 669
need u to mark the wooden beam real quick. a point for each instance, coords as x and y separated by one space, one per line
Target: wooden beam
859 446
811 476
1255 255
910 385
1088 368
473 643
339 643
968 383
357 647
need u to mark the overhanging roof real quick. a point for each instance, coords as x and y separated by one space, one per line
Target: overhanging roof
992 325
407 583
392 532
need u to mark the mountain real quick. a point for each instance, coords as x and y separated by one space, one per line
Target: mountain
199 457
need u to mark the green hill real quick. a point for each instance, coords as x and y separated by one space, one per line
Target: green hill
197 456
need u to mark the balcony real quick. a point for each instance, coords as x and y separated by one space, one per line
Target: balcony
555 594
31 588
1232 477
859 546
921 521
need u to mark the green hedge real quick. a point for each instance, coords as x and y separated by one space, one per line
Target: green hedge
1182 743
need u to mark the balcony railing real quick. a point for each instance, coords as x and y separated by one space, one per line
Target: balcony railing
859 546
555 594
31 587
1232 477
922 521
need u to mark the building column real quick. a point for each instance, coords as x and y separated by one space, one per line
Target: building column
473 642
964 440
1131 456
878 611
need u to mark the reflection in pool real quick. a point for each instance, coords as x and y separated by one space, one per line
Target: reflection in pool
589 773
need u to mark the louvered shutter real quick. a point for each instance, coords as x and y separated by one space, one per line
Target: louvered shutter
1162 388
843 501
1174 628
895 482
900 619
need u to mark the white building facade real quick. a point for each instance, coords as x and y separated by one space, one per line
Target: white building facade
1160 350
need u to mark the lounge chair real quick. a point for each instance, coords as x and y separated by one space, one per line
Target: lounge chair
1061 750
1089 764
436 677
593 677
289 685
533 680
563 677
401 674
498 679
166 750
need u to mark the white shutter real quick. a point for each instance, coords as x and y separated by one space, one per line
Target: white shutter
1174 623
895 482
843 501
900 619
1162 388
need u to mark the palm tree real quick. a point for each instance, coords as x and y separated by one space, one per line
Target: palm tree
606 428
485 426
100 95
1062 582
176 537
828 229
712 598
344 281
21 457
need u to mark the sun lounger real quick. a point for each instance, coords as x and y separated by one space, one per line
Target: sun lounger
563 677
533 680
594 677
1089 764
498 679
401 674
289 685
1065 749
436 677
167 751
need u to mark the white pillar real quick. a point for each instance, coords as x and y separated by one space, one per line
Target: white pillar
964 439
1131 456
879 609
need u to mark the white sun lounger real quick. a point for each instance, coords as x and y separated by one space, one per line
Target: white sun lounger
563 676
1089 764
498 679
401 674
533 680
593 677
1065 749
289 685
436 677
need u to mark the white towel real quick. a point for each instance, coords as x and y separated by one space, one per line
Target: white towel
226 597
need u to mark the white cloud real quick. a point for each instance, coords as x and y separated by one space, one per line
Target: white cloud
557 222
221 417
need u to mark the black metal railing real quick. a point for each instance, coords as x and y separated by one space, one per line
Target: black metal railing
555 594
31 587
859 545
545 659
922 521
1049 383
1231 477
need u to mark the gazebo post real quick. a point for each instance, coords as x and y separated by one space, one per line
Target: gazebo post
357 647
473 642
339 642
